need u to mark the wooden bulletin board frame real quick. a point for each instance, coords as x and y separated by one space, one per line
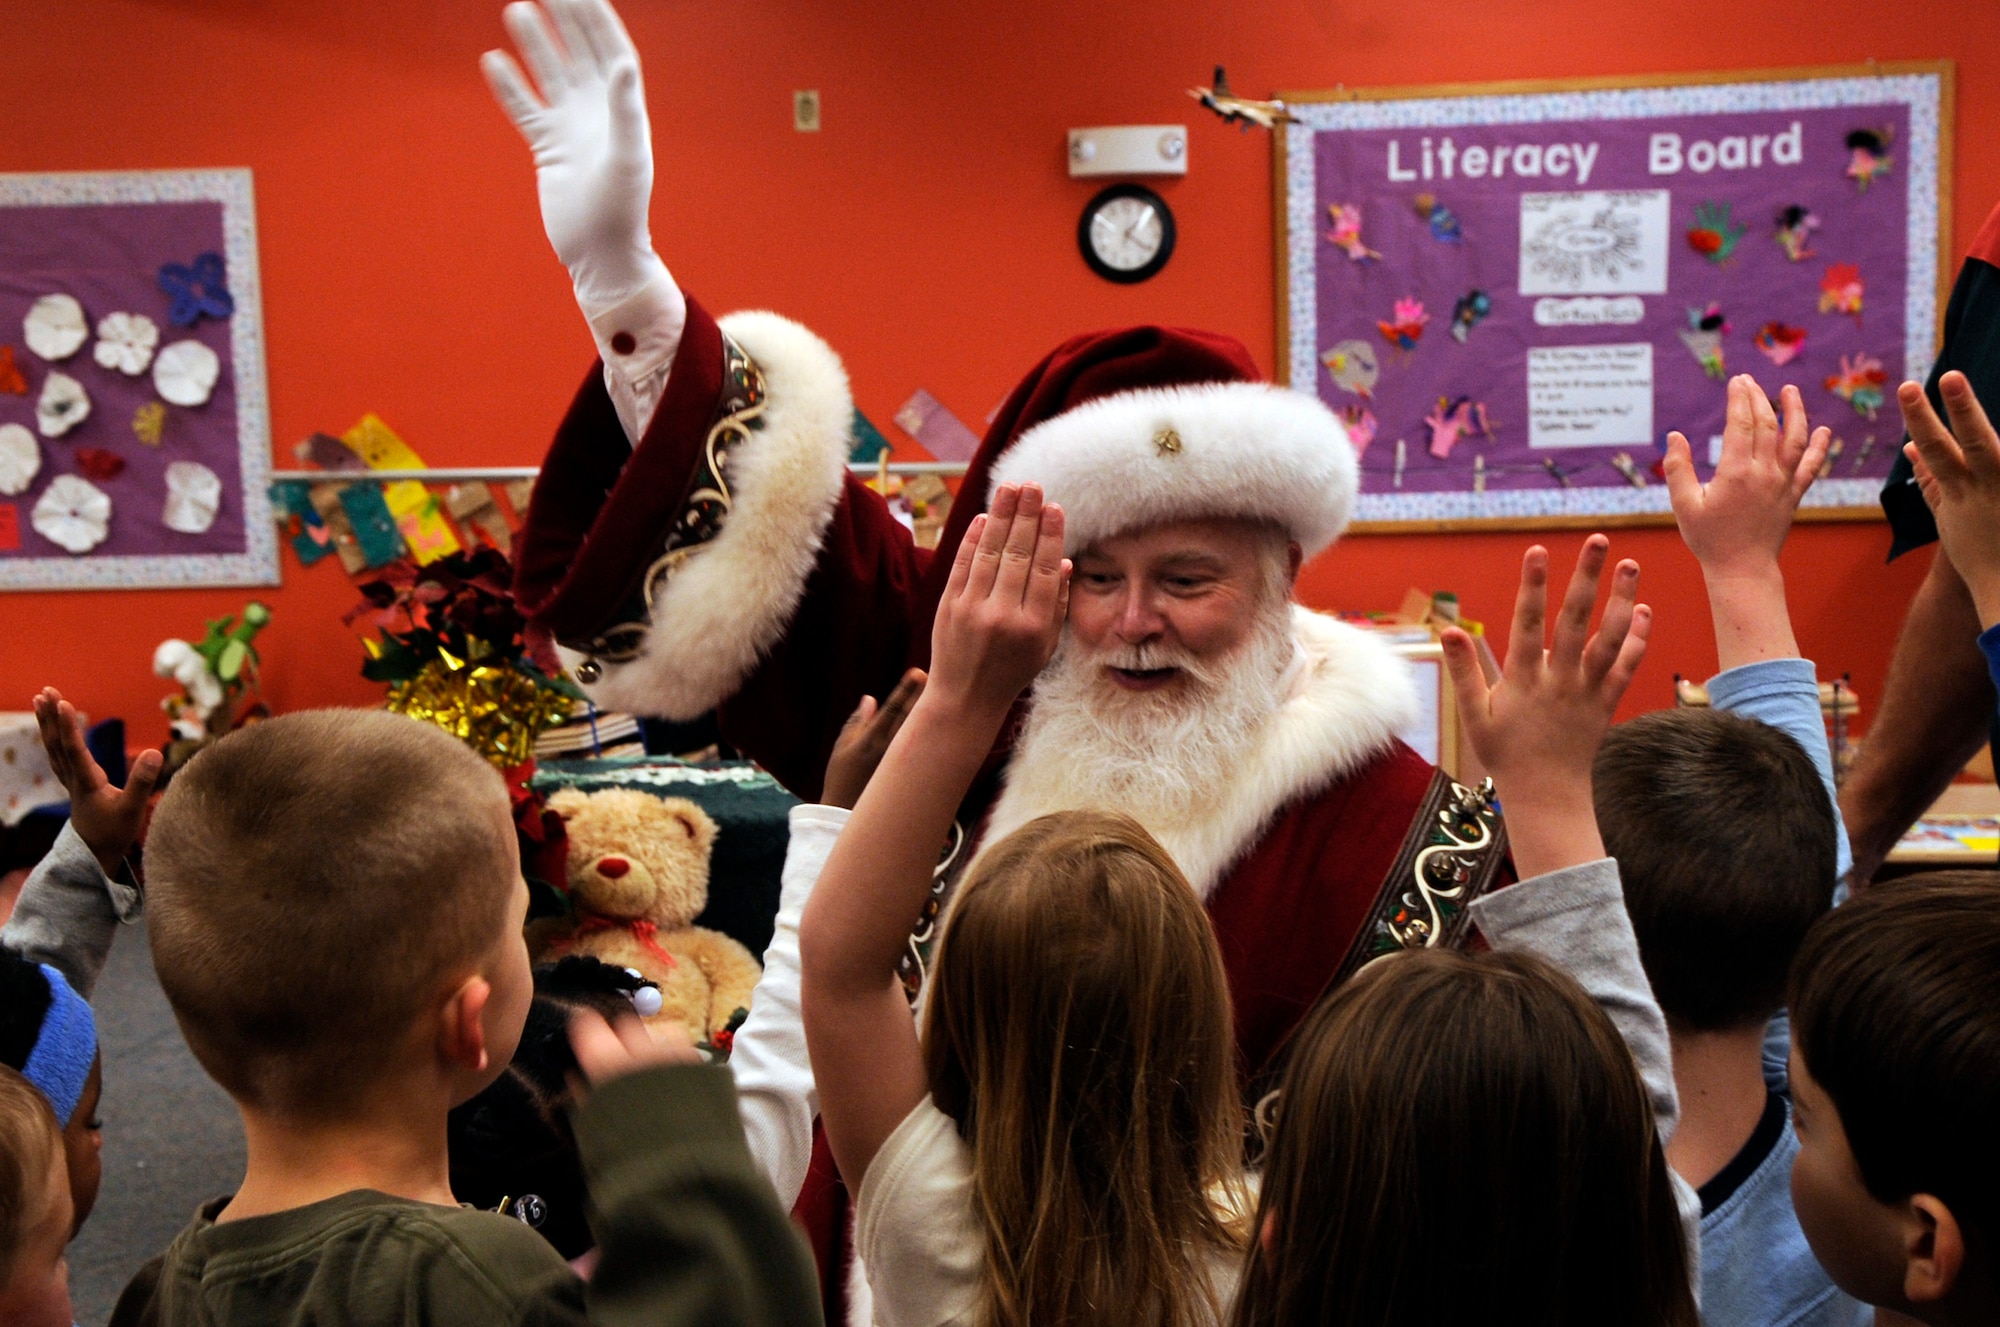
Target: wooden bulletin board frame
1296 221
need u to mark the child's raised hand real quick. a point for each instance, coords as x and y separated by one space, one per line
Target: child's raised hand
1737 522
1004 605
109 820
864 739
605 1051
1958 469
1537 730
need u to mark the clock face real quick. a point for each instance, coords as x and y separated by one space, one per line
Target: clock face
1127 233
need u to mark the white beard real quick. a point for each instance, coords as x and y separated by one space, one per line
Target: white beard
1157 756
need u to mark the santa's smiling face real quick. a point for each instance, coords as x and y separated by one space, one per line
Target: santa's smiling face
1161 609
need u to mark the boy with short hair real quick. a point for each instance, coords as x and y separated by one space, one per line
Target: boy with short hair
1729 847
1896 1070
336 907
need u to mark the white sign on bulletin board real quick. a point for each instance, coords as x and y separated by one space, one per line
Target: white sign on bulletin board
1511 293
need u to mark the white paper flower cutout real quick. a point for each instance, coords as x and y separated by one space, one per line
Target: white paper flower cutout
20 459
63 406
73 514
55 327
194 495
125 341
185 372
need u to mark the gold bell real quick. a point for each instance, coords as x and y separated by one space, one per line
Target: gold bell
1167 442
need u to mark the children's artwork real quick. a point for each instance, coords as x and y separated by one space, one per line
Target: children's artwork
131 354
1594 246
1703 338
1346 233
1795 226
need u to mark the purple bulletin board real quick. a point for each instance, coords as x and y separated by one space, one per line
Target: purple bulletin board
1592 263
103 240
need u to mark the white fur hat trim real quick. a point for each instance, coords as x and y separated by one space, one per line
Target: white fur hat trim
1144 458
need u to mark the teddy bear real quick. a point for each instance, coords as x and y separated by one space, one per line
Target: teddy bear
638 876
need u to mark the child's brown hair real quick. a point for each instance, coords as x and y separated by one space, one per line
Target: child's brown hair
1463 1138
1079 1032
1725 843
314 882
31 1148
1896 1013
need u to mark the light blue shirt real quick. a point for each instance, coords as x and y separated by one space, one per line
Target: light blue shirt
1756 1268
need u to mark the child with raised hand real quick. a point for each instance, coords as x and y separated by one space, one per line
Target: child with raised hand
1465 1137
1958 469
335 905
36 1215
1061 1142
1729 844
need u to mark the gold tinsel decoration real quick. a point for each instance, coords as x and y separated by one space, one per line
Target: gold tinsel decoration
492 706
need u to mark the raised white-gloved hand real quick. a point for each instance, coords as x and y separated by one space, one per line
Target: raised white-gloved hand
593 147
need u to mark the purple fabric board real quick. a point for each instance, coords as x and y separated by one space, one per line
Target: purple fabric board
1756 284
108 257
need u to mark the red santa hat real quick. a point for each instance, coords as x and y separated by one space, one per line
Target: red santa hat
1145 425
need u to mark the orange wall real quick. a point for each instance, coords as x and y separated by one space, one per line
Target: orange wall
928 231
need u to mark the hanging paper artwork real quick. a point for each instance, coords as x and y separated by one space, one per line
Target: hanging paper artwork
1703 338
20 459
1358 420
300 521
73 514
1714 234
12 381
55 328
1795 225
98 464
1441 219
1868 156
126 341
1468 313
1406 325
1781 343
1454 420
1861 382
198 290
186 372
194 495
1346 233
149 421
63 405
1354 367
374 525
1841 290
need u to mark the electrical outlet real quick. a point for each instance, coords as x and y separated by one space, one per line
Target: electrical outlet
805 110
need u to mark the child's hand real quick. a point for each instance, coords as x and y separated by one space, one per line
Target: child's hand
107 819
1537 730
1004 605
1959 471
863 740
1737 522
605 1051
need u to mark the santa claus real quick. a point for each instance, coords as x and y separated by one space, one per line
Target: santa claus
697 542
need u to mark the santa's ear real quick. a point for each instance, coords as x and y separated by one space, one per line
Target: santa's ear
1295 557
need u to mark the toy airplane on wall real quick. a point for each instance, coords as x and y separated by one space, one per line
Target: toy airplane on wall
1241 111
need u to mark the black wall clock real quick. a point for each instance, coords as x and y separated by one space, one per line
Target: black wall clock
1126 234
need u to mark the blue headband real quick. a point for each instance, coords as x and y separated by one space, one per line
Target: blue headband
60 1063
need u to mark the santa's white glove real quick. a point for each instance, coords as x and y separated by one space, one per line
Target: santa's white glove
592 144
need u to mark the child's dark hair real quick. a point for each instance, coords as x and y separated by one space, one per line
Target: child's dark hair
24 1004
512 1143
1896 1012
1464 1138
1724 837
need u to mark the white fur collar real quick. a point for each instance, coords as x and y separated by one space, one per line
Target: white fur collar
1349 698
